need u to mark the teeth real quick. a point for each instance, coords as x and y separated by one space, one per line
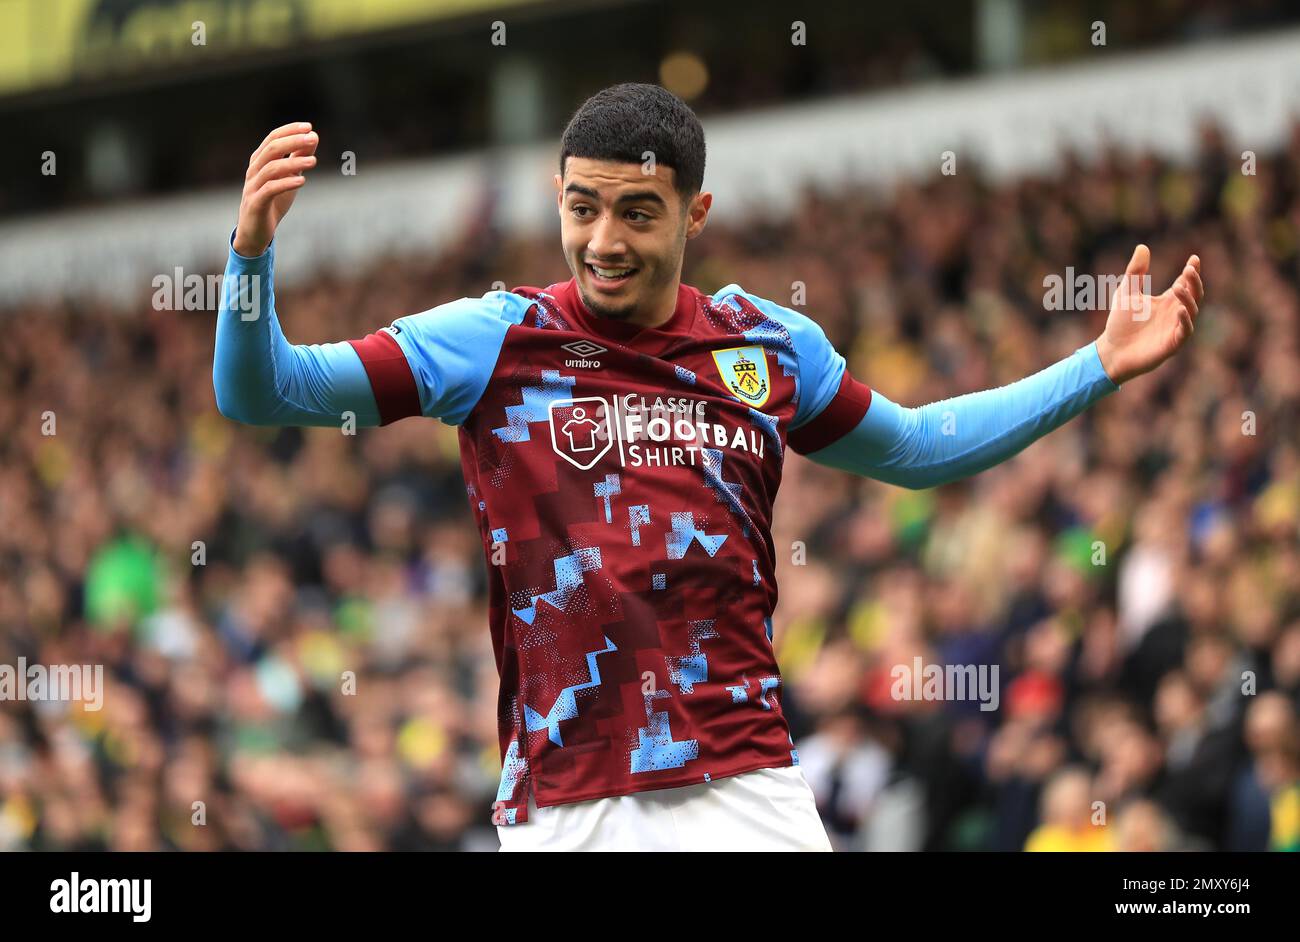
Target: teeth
610 272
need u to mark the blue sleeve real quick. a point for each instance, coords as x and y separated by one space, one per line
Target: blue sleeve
951 439
452 350
260 378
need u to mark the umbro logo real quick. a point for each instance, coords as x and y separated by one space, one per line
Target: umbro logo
585 350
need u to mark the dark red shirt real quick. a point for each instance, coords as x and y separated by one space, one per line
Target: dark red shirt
625 478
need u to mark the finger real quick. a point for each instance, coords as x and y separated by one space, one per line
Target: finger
309 147
1184 294
1185 322
275 169
278 169
279 133
1136 281
274 188
1193 278
282 147
1195 262
1140 262
298 127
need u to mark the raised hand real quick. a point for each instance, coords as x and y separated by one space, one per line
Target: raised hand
1142 330
275 172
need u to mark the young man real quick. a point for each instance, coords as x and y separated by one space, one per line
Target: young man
622 438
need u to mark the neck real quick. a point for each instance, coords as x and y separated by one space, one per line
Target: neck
660 310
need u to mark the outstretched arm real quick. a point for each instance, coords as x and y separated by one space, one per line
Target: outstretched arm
954 438
948 440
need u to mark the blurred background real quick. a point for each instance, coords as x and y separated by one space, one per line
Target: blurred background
1162 681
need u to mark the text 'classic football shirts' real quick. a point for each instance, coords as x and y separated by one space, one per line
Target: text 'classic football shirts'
623 482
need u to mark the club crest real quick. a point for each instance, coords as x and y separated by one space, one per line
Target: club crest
744 373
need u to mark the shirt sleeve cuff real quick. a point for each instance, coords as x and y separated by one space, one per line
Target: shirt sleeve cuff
244 263
841 415
1092 357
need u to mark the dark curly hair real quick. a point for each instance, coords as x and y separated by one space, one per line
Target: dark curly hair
624 121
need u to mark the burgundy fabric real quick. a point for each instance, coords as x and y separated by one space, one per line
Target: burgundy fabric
390 374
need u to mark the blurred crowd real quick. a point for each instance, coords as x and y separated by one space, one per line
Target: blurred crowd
293 622
437 88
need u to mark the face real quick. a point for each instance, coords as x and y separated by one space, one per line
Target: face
624 234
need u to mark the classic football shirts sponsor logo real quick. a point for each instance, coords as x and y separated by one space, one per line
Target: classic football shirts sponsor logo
664 431
580 430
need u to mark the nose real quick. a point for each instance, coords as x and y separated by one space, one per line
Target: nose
606 242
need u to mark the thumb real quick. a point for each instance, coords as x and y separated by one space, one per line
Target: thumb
1140 262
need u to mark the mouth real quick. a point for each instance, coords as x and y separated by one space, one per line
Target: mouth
610 279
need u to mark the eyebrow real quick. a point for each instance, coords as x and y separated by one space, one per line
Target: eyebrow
640 196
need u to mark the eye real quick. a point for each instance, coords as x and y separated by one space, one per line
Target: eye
579 209
637 212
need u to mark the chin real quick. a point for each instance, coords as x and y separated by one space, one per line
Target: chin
621 313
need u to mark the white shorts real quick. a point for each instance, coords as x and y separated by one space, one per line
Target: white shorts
769 809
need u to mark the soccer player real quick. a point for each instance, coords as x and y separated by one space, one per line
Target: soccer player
622 437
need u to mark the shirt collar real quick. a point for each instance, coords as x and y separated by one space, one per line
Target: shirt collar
568 299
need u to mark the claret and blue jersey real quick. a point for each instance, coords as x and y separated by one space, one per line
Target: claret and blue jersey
623 482
625 478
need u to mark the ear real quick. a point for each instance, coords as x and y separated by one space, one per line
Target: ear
698 214
559 191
